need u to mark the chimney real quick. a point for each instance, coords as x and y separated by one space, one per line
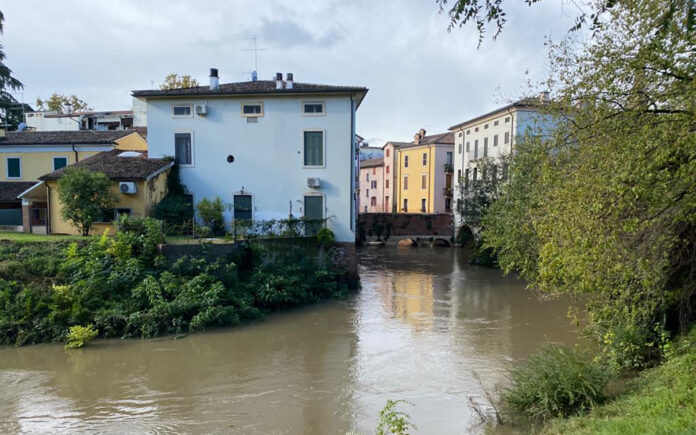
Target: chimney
544 97
416 138
289 81
214 80
279 80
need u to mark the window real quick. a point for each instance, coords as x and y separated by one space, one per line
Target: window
386 204
423 202
495 123
367 176
507 137
476 129
467 147
182 149
406 182
314 148
111 214
59 162
373 201
459 175
485 147
476 149
405 205
367 193
183 111
122 211
365 209
386 183
495 140
387 169
448 204
387 152
424 181
466 178
14 167
405 161
460 134
252 109
475 174
485 126
313 108
242 207
460 149
374 184
313 213
425 159
448 158
374 170
468 132
507 119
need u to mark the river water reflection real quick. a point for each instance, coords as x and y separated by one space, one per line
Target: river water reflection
423 328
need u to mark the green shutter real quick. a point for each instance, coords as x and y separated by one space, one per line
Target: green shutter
242 207
313 148
313 212
13 168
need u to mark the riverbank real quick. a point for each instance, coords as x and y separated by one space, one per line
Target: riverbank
658 400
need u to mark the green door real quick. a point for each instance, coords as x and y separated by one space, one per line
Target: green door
313 213
242 207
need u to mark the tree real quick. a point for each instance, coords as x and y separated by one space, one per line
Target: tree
85 195
210 213
484 12
63 104
604 206
174 81
10 108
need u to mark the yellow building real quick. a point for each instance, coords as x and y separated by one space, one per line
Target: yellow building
423 176
139 182
27 155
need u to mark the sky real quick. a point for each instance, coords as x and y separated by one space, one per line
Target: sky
419 74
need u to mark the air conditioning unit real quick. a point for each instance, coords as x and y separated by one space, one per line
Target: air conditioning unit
201 109
127 187
314 182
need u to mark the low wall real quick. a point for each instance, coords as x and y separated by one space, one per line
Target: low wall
385 225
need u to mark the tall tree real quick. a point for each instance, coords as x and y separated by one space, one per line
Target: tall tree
10 109
175 81
85 196
63 104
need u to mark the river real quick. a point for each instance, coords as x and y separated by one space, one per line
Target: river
425 327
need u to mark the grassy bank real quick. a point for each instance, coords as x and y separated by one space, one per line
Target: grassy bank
24 237
659 400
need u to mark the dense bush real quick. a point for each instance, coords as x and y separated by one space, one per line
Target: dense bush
210 212
556 382
78 336
123 287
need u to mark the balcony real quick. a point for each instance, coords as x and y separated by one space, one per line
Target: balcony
449 168
447 192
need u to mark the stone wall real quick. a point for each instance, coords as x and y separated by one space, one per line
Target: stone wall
385 225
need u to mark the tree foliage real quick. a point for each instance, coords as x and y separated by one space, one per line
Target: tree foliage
84 196
606 206
176 81
10 109
63 104
210 212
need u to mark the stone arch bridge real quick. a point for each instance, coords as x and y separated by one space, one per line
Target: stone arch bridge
415 229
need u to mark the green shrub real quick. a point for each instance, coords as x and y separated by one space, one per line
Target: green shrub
556 382
325 237
78 336
392 421
210 213
12 270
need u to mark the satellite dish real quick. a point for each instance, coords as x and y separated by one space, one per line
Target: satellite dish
22 126
254 76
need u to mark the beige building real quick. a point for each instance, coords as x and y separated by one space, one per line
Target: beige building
371 186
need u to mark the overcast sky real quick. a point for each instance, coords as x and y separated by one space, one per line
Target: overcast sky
419 75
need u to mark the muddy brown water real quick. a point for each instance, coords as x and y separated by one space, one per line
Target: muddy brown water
425 327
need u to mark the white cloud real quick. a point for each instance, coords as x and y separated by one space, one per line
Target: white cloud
419 74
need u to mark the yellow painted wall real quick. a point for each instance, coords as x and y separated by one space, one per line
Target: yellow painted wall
141 204
132 142
415 170
36 164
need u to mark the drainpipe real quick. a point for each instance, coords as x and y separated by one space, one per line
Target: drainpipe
75 151
354 161
48 209
431 183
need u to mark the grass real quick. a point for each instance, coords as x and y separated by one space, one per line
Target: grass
660 400
24 237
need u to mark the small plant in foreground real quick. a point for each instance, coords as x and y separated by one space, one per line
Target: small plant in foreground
556 382
325 237
78 336
392 421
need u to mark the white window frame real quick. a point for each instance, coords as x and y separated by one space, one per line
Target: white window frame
324 208
323 108
251 103
193 148
53 161
323 145
190 106
7 167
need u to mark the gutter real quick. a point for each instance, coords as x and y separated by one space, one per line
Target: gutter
355 161
159 171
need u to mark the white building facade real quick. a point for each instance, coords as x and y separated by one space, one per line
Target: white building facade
492 136
267 149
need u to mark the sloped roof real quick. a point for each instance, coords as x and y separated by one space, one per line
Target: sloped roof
117 167
9 190
370 163
442 138
75 137
523 103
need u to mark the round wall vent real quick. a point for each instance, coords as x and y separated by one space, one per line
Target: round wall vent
230 158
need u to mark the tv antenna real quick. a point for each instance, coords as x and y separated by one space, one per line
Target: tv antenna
256 52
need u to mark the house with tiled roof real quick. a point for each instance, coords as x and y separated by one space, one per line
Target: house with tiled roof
371 186
267 148
26 155
421 173
138 181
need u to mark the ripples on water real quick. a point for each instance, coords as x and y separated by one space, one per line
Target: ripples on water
423 328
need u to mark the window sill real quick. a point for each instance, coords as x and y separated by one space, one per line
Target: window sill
314 167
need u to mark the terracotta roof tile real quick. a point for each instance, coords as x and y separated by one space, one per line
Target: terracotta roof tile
116 167
75 137
9 190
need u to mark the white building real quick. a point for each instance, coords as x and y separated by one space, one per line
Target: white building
492 136
267 148
54 121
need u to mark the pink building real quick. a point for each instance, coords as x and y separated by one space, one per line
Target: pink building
371 185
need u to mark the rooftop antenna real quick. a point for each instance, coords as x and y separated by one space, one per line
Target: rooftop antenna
256 50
